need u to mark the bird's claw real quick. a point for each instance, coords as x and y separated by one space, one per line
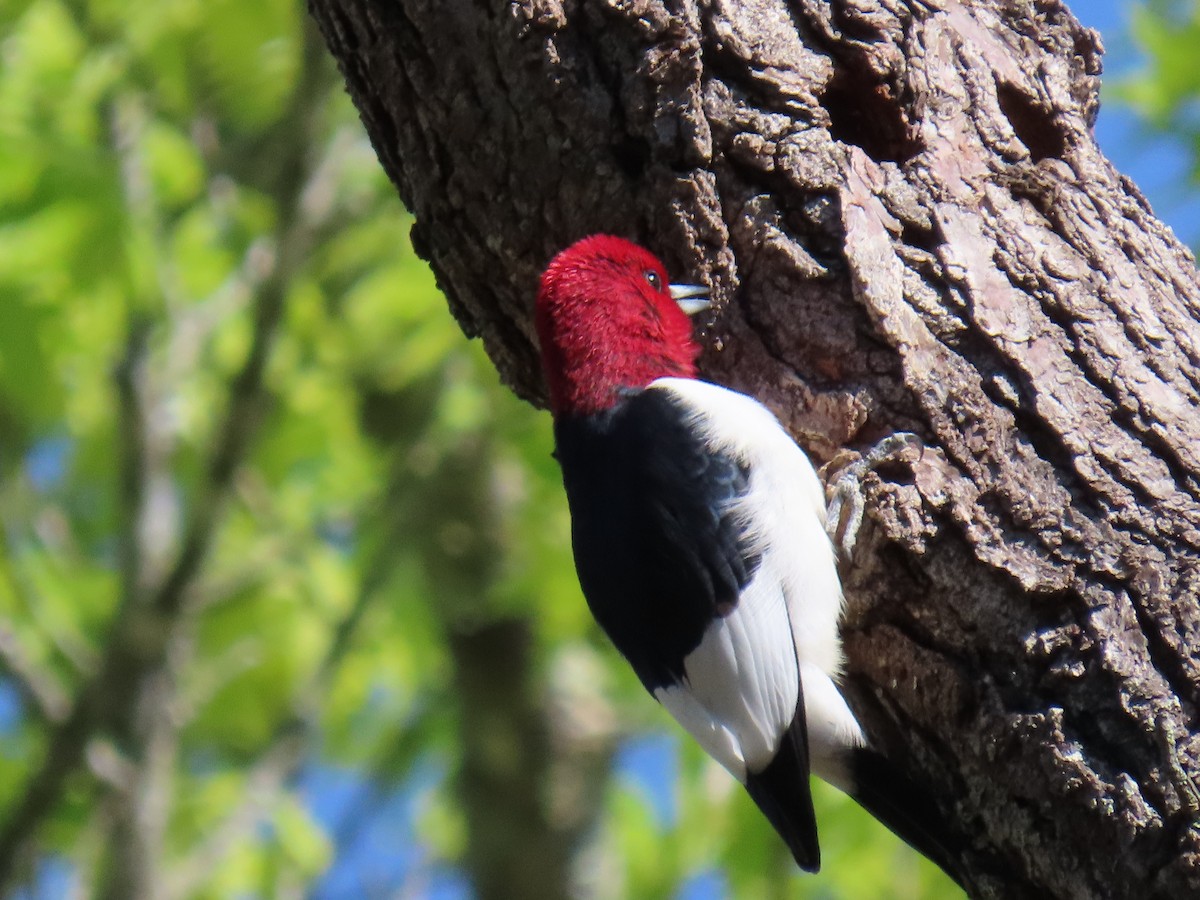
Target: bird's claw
846 503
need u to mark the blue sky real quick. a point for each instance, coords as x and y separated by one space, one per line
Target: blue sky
1157 164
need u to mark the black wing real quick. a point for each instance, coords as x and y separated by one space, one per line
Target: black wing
658 551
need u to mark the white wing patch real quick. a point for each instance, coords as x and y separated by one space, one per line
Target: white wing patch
741 689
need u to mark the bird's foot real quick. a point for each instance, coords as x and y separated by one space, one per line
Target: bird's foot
845 478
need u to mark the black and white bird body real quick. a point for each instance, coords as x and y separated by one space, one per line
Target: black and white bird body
679 494
698 528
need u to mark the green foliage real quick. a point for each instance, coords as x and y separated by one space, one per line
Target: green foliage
145 156
1170 78
718 827
1164 91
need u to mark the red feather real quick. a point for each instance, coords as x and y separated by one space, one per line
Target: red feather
606 321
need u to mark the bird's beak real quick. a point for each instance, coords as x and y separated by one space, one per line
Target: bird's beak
692 298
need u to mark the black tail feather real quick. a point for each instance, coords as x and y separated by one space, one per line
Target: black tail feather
782 792
904 807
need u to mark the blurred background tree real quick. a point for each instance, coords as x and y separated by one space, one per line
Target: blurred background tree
286 598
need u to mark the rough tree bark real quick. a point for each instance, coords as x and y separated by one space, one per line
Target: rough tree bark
909 227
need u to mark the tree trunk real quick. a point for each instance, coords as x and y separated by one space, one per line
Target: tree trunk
909 228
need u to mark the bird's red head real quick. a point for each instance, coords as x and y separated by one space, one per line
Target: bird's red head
607 319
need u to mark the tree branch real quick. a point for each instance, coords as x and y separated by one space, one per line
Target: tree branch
39 687
263 784
141 633
286 752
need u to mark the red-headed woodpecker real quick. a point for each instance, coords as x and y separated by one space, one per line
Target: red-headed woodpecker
699 532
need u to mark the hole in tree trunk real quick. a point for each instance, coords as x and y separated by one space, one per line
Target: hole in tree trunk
1034 127
862 112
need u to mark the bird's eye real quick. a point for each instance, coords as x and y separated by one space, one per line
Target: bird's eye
653 280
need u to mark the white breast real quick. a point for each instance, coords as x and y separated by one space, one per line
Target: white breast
740 695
